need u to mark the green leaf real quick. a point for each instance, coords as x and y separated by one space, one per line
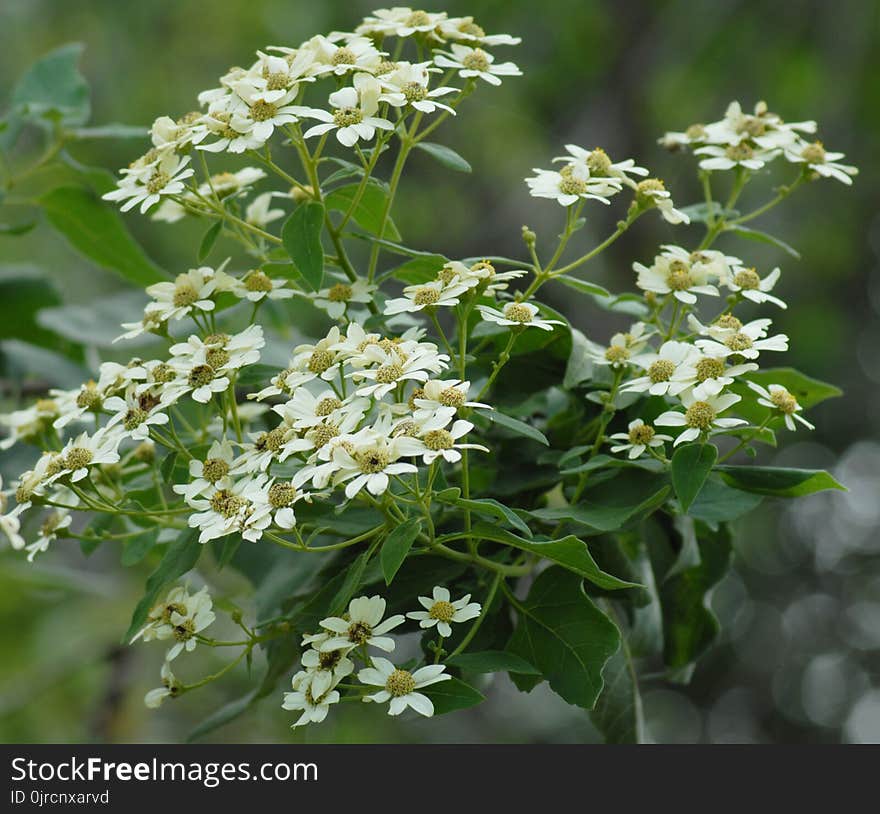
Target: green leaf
689 625
699 212
301 236
229 549
166 468
579 367
354 574
720 503
16 229
493 661
691 465
763 237
419 270
99 233
137 547
397 546
808 391
370 209
583 286
485 506
451 695
518 427
209 240
569 552
564 635
779 481
618 712
445 155
24 291
179 558
111 131
53 87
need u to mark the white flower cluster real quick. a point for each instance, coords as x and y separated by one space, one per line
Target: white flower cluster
591 175
697 366
329 657
372 90
752 140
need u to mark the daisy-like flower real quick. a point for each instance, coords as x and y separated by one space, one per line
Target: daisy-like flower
407 84
227 510
354 54
335 299
367 461
52 527
10 525
400 686
395 365
673 274
429 295
777 398
29 423
190 291
734 155
276 500
212 473
233 132
439 442
312 361
268 109
475 63
700 416
361 626
435 394
305 409
441 610
653 192
87 450
328 668
660 369
818 161
135 414
638 438
257 286
168 134
622 347
353 115
748 341
400 21
707 375
73 405
166 178
182 616
314 706
517 315
748 283
600 165
465 29
170 687
571 184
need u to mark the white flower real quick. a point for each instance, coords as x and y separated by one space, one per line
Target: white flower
399 686
165 179
700 416
180 617
362 626
639 437
440 610
734 155
599 165
314 707
276 500
10 525
571 184
660 369
653 192
335 299
476 63
821 162
747 281
229 509
621 347
328 668
259 212
267 109
673 274
466 30
233 130
257 286
396 365
707 375
87 450
170 687
747 342
429 295
353 115
401 22
407 84
776 397
355 54
212 473
190 290
439 442
517 315
368 459
437 393
28 423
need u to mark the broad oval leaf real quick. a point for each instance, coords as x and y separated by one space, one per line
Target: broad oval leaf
763 237
564 635
691 465
493 661
53 86
451 695
369 210
618 712
301 236
779 481
583 286
98 232
518 427
209 240
445 155
397 546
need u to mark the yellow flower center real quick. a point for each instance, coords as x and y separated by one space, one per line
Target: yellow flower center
442 611
400 682
661 370
700 415
641 434
747 279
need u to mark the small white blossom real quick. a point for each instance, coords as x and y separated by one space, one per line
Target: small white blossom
638 438
362 626
399 686
441 610
475 63
517 315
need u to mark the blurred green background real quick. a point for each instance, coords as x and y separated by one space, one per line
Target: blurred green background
799 658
